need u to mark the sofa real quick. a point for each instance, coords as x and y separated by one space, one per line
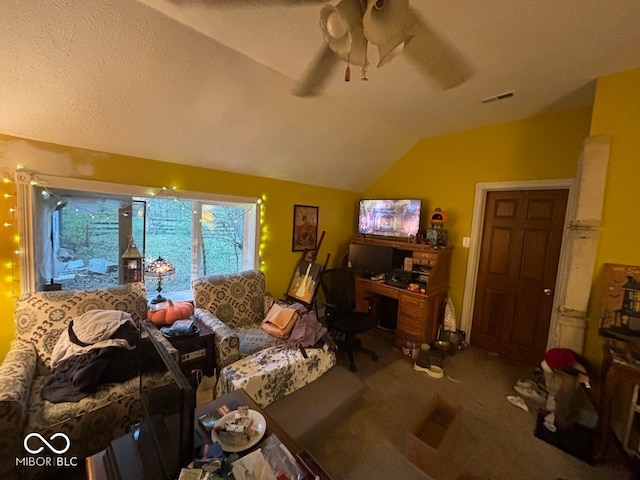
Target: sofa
90 423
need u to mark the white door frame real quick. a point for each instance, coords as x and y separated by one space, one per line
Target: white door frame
473 260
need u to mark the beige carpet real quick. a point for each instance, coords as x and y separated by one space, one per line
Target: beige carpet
496 440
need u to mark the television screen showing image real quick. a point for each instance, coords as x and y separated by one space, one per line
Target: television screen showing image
393 218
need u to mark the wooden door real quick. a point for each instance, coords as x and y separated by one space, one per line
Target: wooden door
519 254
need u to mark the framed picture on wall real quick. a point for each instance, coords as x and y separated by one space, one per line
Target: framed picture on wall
305 228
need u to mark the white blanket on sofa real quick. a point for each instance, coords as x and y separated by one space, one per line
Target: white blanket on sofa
93 328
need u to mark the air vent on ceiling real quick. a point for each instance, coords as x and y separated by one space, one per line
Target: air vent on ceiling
495 98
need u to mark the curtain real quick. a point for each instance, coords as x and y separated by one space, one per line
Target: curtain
46 261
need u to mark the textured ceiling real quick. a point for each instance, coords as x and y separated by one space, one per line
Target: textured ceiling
209 82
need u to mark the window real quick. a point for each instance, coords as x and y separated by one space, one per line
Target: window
79 235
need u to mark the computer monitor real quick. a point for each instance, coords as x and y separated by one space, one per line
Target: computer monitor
368 260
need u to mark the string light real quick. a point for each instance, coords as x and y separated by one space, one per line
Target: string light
260 202
9 222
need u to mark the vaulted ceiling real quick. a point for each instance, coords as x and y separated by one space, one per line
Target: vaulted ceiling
210 82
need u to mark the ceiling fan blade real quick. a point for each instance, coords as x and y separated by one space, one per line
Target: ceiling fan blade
317 73
435 57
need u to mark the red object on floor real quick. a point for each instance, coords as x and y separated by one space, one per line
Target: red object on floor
559 358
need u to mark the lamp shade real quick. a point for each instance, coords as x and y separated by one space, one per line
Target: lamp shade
385 21
342 29
388 51
159 268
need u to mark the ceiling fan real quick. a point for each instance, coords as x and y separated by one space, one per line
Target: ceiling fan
354 29
351 27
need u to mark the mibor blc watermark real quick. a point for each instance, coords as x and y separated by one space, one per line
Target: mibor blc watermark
46 452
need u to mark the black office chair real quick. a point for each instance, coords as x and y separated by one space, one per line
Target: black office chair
339 288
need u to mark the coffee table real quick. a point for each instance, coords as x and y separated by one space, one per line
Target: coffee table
95 463
240 397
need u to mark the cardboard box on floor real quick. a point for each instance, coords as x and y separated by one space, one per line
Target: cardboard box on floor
431 437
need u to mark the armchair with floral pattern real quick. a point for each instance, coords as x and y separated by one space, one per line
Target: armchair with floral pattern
233 306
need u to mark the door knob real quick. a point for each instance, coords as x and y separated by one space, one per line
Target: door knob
547 291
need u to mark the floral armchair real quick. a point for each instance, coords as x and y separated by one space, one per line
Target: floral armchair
246 356
233 306
91 423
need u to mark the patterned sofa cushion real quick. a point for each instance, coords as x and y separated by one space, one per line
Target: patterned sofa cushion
40 317
254 339
16 376
94 421
237 299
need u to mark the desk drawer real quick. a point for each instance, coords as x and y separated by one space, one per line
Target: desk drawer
425 258
411 325
412 305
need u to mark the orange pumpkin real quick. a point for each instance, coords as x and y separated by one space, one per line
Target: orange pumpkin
171 312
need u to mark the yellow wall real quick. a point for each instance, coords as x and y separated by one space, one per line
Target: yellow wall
616 112
443 171
337 214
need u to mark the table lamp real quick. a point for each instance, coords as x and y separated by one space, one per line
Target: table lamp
159 269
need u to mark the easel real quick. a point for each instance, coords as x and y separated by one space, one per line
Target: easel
311 256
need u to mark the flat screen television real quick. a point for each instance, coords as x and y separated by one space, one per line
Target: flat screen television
390 217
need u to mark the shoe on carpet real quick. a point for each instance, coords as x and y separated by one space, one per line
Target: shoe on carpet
518 402
529 391
526 383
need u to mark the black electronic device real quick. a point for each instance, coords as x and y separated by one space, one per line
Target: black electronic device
399 278
162 443
369 260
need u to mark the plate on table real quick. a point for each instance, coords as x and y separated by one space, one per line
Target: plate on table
259 424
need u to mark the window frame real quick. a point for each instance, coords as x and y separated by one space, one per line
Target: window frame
26 215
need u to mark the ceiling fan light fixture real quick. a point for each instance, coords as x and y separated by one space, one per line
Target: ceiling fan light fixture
389 51
342 29
385 20
337 26
335 30
379 4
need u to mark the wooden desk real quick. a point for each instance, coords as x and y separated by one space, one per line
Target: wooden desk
418 314
95 464
614 370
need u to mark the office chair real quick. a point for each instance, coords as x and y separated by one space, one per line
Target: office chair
339 289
